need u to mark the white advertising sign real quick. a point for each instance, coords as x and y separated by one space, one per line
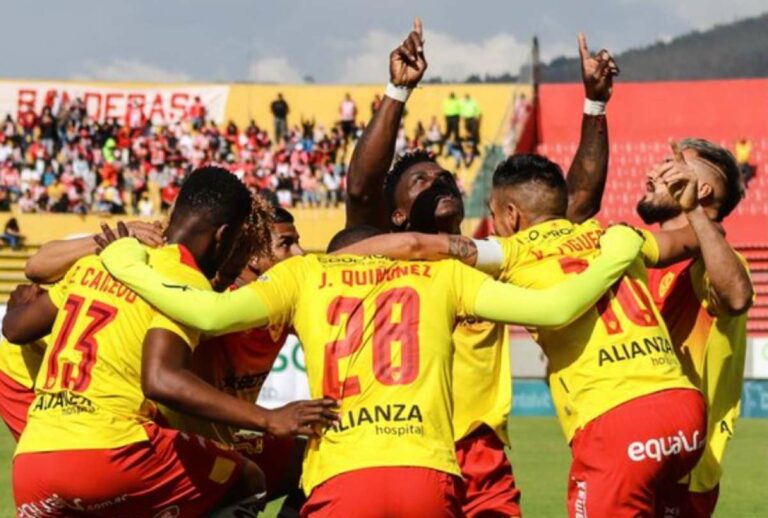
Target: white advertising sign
288 379
158 103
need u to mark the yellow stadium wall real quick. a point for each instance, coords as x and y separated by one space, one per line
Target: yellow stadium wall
248 102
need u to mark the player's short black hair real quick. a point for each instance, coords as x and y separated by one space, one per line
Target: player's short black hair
283 216
350 236
529 168
401 165
725 162
219 194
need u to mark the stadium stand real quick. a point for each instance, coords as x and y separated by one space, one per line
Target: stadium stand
643 117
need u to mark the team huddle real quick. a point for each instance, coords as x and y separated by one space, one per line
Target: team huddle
130 383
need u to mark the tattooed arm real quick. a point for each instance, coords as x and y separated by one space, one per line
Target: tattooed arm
416 246
589 170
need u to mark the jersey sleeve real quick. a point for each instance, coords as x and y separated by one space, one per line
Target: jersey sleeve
565 302
189 335
650 250
279 290
208 311
467 282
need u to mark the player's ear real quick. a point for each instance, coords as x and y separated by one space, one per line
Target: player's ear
399 218
513 216
706 194
220 233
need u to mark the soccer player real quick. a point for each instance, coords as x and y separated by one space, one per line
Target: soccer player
238 364
419 195
19 364
377 337
635 423
704 301
93 410
611 365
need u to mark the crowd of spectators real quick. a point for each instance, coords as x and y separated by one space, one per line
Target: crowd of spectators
62 160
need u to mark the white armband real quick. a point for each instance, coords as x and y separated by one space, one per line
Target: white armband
594 108
490 256
398 93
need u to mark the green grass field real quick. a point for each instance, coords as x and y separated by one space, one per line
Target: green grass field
541 459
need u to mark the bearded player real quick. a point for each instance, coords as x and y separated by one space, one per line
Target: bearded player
93 409
704 301
419 195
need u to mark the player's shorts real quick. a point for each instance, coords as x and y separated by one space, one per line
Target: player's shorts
623 459
172 474
405 492
15 400
277 457
678 502
489 484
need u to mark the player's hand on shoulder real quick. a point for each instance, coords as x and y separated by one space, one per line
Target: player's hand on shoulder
302 418
407 63
622 242
24 294
120 249
150 234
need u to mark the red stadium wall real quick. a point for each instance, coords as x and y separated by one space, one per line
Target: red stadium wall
644 116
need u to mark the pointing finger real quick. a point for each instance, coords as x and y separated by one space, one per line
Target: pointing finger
417 27
583 50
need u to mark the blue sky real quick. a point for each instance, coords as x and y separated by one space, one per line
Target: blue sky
330 40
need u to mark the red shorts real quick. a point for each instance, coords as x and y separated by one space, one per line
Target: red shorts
278 457
405 492
488 479
172 473
15 400
678 502
626 457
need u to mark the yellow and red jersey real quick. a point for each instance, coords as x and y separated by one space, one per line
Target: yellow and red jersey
88 390
711 345
617 351
238 364
21 363
482 390
377 337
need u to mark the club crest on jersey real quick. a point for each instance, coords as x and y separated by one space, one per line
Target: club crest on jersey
665 284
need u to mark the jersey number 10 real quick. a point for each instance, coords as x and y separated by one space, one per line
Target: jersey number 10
100 314
395 319
627 292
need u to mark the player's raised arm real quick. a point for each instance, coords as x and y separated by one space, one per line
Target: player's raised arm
589 170
563 303
208 311
51 262
728 275
376 148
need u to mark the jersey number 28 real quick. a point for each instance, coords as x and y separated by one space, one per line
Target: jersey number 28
395 320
